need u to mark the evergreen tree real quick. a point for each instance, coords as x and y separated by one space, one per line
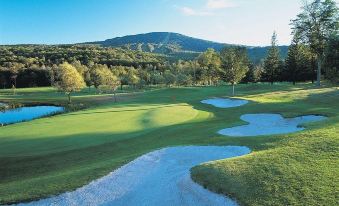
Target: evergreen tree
298 62
331 60
272 63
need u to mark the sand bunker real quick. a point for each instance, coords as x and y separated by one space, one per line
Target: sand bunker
161 177
225 103
268 124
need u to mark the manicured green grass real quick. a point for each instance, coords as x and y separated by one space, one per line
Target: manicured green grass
52 155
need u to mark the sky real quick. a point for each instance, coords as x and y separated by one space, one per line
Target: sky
246 22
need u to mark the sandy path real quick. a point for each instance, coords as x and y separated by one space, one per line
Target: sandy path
268 124
161 177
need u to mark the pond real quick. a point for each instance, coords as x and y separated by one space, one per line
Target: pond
27 113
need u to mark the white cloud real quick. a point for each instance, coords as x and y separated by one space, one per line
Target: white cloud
208 9
192 12
219 4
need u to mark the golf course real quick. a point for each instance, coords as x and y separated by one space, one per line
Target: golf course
169 103
60 153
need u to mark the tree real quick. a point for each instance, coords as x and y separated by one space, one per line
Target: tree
272 63
88 79
257 72
157 78
194 65
145 77
331 61
298 65
97 73
235 65
315 24
211 61
169 78
107 78
69 80
132 77
183 79
80 67
121 73
3 80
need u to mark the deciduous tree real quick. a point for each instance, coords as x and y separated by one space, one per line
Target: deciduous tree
235 65
210 60
69 80
315 24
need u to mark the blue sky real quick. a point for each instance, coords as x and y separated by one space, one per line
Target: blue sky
248 22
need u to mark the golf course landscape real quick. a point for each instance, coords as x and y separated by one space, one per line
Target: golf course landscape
169 103
52 155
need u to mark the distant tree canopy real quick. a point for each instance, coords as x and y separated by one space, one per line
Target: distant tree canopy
32 65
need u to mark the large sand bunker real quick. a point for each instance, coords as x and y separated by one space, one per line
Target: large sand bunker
268 124
225 103
161 177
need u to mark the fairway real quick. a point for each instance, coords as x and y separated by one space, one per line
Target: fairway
64 152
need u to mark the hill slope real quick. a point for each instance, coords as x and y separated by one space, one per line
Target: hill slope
177 45
162 42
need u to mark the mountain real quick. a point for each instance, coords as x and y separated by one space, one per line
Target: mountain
177 46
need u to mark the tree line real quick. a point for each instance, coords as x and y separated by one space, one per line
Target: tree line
31 65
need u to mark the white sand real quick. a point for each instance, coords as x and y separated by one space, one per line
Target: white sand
225 103
268 124
158 178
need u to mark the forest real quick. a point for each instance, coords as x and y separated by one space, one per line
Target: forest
34 65
312 55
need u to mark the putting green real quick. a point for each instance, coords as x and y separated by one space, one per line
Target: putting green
108 123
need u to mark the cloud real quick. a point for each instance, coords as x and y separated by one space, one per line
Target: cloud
209 9
219 4
192 12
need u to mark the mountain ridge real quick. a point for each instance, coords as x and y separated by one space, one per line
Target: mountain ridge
177 45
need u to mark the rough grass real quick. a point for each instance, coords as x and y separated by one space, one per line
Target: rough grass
57 154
